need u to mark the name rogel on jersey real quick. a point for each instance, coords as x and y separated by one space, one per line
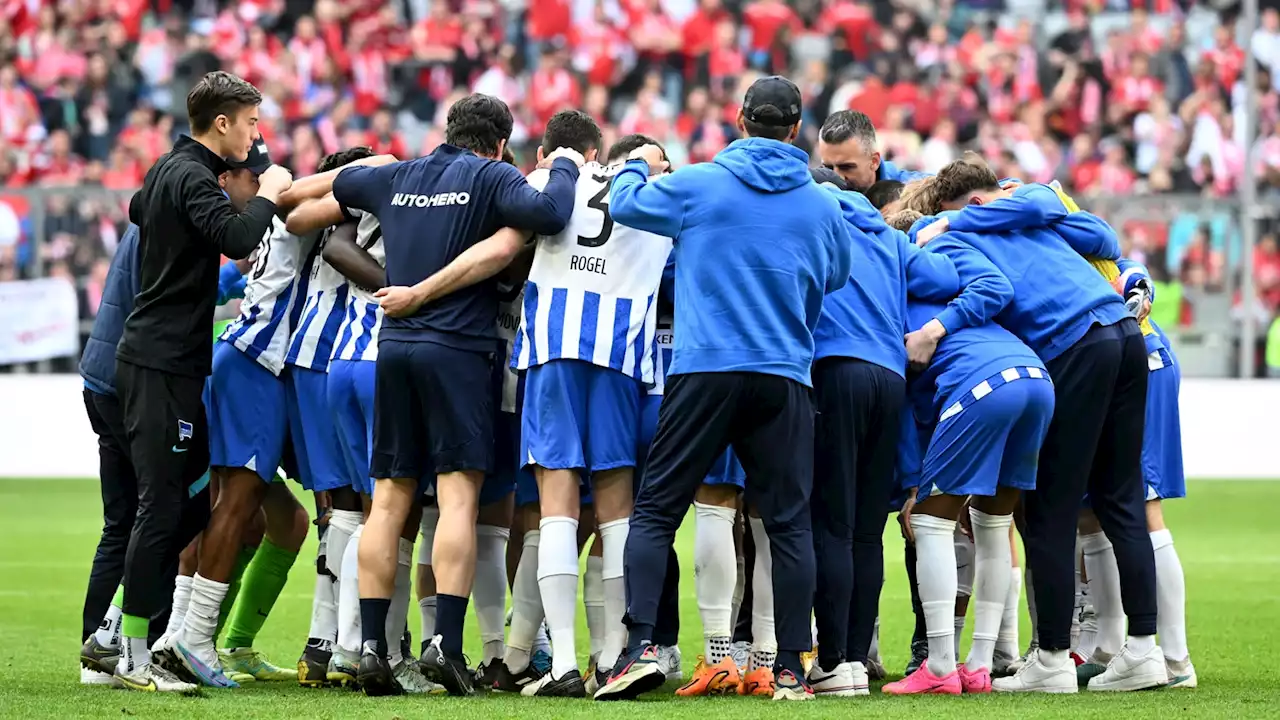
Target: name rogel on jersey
263 329
593 288
358 333
323 306
508 324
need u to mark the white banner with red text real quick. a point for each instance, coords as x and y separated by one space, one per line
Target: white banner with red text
39 319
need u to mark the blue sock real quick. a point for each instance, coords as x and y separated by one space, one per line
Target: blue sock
639 636
451 615
373 622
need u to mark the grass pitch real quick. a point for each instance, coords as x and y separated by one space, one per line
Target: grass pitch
1226 534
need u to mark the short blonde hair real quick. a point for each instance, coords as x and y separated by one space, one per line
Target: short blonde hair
962 177
903 219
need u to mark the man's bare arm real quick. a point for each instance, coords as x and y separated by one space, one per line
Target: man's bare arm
482 260
347 257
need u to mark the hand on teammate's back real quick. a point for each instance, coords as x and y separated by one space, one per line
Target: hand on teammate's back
274 181
932 231
398 301
651 154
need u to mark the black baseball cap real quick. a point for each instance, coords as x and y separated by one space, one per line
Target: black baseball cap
823 175
258 160
773 91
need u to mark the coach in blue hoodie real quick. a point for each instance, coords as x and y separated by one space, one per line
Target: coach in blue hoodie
859 383
758 245
1066 312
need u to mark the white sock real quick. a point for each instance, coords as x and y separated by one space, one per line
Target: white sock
739 584
613 535
134 653
1088 639
489 591
1076 627
324 610
873 653
1104 588
593 599
715 575
1171 597
349 634
108 633
201 622
181 601
526 606
398 615
427 531
991 586
959 633
936 575
1141 644
558 583
763 638
342 525
542 641
1007 641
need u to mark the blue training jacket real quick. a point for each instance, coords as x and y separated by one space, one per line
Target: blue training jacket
866 318
758 245
1038 246
98 361
889 171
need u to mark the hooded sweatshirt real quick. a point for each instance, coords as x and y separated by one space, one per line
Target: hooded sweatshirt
866 318
758 245
1057 295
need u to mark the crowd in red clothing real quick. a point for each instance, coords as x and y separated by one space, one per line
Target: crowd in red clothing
1114 98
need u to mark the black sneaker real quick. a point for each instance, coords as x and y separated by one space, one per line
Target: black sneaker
919 653
487 674
375 676
635 673
98 657
313 666
508 682
568 686
452 673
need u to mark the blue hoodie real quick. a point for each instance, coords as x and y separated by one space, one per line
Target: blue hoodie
889 171
758 245
866 318
1057 294
98 361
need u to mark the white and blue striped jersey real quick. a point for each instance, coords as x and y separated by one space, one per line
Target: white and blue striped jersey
263 329
662 351
358 333
508 325
592 290
324 304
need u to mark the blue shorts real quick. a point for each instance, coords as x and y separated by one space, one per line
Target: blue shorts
725 471
350 393
1162 436
579 416
247 413
321 462
993 442
433 410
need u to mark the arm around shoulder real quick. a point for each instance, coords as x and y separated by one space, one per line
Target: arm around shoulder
655 205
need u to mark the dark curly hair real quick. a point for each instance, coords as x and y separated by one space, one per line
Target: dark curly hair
479 123
343 157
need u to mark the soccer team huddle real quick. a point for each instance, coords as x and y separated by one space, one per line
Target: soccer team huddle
513 372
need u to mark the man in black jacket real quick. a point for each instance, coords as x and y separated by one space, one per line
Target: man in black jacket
186 223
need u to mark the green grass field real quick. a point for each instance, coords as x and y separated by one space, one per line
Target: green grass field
1226 534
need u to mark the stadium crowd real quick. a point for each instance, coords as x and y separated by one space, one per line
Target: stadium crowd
1112 99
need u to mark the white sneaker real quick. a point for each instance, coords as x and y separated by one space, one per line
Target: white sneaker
93 677
1182 674
413 682
836 682
1019 663
741 654
153 678
1128 671
670 661
1035 676
861 679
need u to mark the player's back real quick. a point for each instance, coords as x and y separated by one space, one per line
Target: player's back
591 293
262 330
963 358
357 336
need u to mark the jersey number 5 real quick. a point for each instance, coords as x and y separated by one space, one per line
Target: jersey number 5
599 201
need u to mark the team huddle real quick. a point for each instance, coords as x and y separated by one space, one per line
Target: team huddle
523 370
